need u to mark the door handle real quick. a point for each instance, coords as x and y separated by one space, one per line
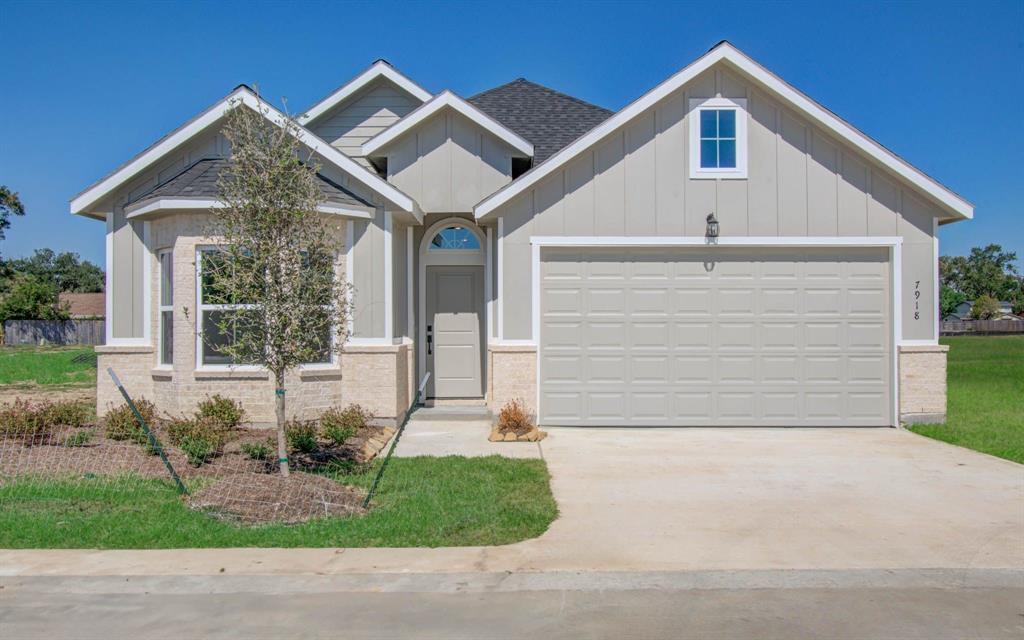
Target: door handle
430 340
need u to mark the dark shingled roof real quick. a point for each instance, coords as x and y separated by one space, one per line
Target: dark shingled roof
200 181
547 118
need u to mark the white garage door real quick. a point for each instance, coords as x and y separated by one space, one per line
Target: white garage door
715 336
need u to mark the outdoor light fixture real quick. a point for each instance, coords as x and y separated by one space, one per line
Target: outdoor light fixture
712 231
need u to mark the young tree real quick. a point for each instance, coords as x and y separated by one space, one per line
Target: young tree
277 256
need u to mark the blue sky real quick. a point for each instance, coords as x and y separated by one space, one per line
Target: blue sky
88 85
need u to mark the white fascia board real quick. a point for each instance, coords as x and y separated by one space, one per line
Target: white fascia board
379 69
810 109
144 209
446 99
82 203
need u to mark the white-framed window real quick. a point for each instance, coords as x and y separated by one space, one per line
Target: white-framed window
165 260
211 306
718 138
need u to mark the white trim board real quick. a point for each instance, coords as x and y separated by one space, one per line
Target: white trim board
446 99
893 243
142 209
797 100
85 202
379 69
428 235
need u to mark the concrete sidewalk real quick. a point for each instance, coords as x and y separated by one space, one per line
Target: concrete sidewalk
689 500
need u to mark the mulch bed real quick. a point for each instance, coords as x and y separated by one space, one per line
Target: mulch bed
231 485
262 499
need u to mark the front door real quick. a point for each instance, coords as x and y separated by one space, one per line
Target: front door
455 298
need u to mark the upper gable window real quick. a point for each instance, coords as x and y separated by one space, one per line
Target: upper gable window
718 138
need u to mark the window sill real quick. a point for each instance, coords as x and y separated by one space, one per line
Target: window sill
213 373
708 175
163 372
327 372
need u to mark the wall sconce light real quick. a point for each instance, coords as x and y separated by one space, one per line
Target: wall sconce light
712 231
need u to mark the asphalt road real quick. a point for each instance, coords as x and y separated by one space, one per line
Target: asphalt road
790 605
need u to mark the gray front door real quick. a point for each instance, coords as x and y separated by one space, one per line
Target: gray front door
455 302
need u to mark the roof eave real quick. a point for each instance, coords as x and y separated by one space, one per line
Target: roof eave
443 100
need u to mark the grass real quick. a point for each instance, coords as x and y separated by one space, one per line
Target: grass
422 502
47 366
986 396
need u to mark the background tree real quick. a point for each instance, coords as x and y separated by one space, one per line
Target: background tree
278 256
949 300
10 205
986 271
30 298
985 308
66 271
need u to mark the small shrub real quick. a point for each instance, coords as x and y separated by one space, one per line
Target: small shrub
301 436
121 424
24 420
225 411
513 417
67 414
200 438
339 425
198 449
260 450
79 438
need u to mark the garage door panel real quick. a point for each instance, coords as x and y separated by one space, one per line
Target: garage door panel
737 336
694 369
736 369
692 336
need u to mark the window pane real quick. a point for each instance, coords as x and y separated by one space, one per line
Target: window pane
727 123
166 280
708 123
708 153
166 337
727 154
212 266
213 338
455 238
325 353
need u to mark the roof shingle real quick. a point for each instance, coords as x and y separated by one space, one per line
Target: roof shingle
200 181
547 118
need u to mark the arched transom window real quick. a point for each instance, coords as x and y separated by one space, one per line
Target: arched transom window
454 238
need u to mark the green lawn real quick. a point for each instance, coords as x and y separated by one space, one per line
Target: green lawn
47 366
986 396
422 502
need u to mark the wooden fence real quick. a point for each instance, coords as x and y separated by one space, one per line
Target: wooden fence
961 327
54 332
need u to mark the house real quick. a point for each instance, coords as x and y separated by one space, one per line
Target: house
963 311
83 305
721 251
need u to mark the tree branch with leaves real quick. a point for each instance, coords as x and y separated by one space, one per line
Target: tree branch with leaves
276 268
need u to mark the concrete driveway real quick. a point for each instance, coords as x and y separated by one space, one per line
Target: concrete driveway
681 499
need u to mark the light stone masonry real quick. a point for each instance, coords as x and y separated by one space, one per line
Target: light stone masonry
923 383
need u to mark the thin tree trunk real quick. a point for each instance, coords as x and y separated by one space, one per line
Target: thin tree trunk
282 445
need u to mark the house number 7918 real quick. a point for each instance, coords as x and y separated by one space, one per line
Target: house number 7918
917 300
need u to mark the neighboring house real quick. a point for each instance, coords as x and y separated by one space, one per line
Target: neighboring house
963 312
524 243
84 305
